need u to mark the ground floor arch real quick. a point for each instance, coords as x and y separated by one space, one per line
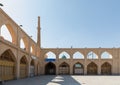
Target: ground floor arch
78 69
23 67
7 65
64 69
106 69
50 69
32 68
38 69
92 69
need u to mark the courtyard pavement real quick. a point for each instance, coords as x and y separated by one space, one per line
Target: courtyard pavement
67 80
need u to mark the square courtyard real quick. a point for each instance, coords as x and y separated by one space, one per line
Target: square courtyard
67 80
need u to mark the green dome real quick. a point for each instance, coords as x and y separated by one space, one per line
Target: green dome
63 57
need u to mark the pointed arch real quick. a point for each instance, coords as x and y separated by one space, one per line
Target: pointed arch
78 68
50 69
32 62
106 69
106 55
5 33
64 68
50 55
92 55
8 33
23 67
7 64
23 60
22 44
64 55
92 69
78 55
38 68
32 49
8 55
32 68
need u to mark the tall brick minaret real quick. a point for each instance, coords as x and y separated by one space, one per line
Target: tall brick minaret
39 33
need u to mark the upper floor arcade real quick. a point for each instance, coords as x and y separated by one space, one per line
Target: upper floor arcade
11 33
80 53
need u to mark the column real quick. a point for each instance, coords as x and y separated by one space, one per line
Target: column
71 64
57 63
17 70
85 63
99 69
85 69
99 64
28 68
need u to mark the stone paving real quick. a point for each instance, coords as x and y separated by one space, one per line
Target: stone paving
67 80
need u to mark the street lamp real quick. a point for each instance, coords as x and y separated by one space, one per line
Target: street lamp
31 36
21 25
1 4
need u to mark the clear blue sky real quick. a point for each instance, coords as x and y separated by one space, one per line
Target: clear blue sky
66 23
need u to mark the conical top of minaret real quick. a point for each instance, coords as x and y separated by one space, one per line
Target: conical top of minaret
38 33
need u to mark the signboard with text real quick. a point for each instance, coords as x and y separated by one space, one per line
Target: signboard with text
50 60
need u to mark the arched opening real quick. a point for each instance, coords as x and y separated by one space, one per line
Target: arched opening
22 44
32 49
7 32
92 55
106 69
92 69
50 69
7 65
78 55
106 55
23 67
64 55
32 68
38 69
50 57
78 69
64 69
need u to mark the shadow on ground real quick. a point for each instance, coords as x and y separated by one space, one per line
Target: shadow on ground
45 80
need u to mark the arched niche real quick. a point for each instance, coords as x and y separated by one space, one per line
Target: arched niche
32 68
7 65
106 69
50 68
92 69
78 69
64 69
23 67
38 68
